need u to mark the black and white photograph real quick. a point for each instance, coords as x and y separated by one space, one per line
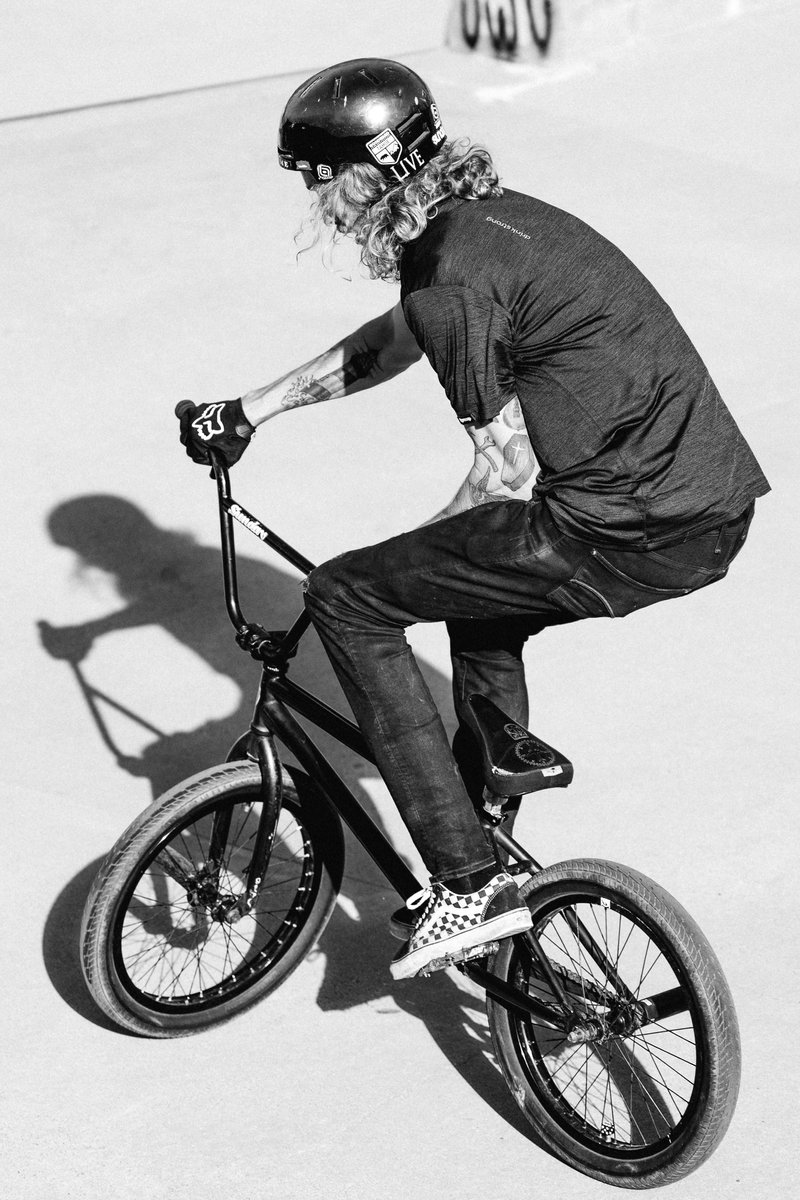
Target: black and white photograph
400 668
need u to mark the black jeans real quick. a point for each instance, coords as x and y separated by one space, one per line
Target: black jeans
497 575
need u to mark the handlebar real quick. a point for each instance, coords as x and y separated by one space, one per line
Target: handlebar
183 406
250 636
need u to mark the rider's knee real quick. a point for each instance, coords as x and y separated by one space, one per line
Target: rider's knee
322 585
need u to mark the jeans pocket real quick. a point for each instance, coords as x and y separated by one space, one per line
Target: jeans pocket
600 589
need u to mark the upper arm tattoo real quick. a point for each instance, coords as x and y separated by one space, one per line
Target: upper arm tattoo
518 461
512 415
307 389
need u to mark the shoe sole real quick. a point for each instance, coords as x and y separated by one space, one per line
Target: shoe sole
516 921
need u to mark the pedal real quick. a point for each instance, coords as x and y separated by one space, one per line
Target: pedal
458 957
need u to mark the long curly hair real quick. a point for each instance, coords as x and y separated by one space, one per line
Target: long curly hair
383 217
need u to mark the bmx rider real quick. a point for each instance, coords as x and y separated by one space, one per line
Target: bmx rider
550 346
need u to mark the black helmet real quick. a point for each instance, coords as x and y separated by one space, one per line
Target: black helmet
367 110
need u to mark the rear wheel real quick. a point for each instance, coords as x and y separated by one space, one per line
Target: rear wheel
642 1090
165 949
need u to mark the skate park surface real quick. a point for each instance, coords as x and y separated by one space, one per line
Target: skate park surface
148 255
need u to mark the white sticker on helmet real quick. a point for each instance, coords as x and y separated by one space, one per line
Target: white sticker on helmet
385 148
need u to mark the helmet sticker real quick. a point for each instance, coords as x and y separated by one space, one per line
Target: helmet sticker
438 135
385 148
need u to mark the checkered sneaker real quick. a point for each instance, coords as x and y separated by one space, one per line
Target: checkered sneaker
451 923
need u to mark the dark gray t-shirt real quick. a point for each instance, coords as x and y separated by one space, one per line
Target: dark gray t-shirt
513 297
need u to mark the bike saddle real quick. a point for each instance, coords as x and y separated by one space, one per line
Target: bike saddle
514 761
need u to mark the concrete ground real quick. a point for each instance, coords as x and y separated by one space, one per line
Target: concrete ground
148 256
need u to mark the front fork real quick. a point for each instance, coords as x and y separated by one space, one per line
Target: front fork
271 801
260 739
228 908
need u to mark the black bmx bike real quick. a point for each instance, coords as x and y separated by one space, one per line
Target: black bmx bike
611 1019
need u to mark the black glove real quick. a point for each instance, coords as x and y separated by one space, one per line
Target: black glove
221 427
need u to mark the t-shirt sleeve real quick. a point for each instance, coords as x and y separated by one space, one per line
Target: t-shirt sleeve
467 337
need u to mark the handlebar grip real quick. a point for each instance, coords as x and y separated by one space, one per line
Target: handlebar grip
183 406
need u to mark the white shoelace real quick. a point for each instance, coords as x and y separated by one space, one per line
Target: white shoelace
423 896
419 898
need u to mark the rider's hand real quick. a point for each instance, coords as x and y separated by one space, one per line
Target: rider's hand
70 642
222 427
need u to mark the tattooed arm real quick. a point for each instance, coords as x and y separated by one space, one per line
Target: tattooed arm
503 466
376 352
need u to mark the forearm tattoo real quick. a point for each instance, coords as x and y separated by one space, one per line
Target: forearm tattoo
479 490
484 451
307 389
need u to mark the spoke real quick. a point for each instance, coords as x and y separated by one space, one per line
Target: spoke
633 926
630 1105
604 935
581 1067
613 1114
678 1100
638 989
663 1081
559 945
607 1098
196 974
655 1028
659 958
556 933
642 1080
151 902
689 1062
585 1095
658 1058
565 1063
226 933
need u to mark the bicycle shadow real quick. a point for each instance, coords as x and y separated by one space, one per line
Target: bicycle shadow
165 578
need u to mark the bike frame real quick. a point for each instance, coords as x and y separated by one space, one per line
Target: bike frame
278 698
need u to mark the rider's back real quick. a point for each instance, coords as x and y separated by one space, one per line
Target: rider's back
510 295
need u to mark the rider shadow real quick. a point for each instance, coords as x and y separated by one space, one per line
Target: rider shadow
164 578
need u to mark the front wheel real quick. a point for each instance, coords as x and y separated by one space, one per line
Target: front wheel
165 951
639 1084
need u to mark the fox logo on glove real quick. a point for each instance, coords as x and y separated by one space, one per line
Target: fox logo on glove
209 422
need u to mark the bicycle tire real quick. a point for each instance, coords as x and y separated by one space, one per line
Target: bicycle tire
156 961
669 1087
